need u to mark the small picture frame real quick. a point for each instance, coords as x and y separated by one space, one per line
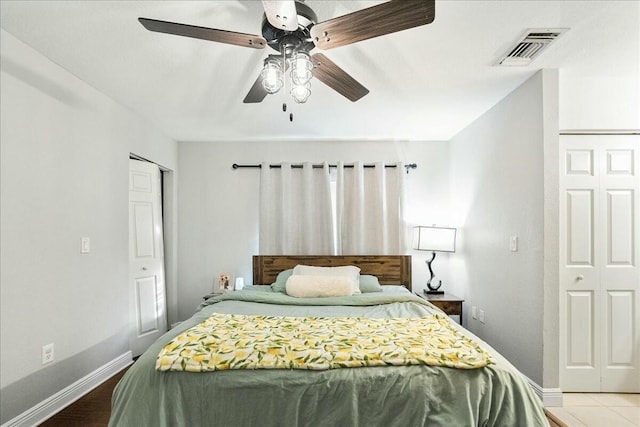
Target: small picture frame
224 283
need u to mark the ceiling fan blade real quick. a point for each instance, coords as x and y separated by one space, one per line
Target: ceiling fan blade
257 93
385 18
281 14
211 34
336 78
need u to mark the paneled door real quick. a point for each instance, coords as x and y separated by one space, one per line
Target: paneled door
599 274
146 256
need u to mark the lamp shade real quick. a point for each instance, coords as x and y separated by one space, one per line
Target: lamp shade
437 239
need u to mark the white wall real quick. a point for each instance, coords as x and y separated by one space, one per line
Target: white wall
599 88
497 185
218 206
64 169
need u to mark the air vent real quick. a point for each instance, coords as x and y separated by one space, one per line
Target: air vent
530 46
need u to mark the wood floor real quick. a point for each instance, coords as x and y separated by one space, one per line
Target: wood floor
94 409
91 410
554 421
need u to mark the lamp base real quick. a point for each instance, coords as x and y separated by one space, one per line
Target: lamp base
436 292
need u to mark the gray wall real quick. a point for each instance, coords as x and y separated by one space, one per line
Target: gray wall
497 185
64 175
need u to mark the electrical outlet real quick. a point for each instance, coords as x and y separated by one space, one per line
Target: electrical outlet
474 312
481 316
47 354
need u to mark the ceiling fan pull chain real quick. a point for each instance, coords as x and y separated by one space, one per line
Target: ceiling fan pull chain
284 76
284 79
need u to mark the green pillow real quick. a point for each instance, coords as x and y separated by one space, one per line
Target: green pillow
280 285
369 283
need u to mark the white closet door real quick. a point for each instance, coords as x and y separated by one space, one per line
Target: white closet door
146 256
619 272
579 278
599 275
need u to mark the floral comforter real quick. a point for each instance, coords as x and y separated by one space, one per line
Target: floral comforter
232 341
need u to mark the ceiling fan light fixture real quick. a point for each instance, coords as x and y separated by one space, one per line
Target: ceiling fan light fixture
272 77
301 67
301 93
292 29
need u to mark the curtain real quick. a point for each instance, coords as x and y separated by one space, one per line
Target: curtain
369 209
296 215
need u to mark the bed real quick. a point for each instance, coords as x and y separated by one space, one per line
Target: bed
388 395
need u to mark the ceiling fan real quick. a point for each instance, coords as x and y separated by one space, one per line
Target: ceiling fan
290 27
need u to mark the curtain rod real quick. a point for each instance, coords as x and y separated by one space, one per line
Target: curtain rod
318 166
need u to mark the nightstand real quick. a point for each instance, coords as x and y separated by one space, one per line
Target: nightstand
450 304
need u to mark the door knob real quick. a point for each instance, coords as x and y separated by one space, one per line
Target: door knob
144 268
579 277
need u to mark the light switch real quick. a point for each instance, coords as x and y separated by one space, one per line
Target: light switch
85 245
513 243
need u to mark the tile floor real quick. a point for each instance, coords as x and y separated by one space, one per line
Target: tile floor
599 410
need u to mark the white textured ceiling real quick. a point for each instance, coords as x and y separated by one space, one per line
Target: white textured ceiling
426 83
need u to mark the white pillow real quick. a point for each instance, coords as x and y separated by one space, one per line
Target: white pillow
300 286
350 271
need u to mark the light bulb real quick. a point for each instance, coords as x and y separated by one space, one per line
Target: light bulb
301 93
301 68
271 76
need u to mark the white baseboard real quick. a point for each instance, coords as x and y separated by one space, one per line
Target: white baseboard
65 397
550 397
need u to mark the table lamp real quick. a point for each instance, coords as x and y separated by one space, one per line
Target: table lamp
435 239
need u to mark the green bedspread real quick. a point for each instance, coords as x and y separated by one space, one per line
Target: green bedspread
385 396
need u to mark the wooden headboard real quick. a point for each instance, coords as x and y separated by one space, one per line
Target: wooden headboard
390 269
